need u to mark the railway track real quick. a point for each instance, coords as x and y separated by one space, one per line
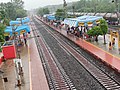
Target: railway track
106 81
57 78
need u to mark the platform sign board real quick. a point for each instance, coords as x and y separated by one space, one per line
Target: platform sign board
90 23
97 21
81 23
16 33
6 34
22 31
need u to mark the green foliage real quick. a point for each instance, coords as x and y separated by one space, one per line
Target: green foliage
93 6
100 6
0 49
103 26
59 13
12 9
2 27
6 22
42 11
95 31
21 13
1 38
46 11
18 4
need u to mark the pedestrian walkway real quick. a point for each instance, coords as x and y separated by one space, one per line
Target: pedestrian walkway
34 76
8 67
95 49
37 75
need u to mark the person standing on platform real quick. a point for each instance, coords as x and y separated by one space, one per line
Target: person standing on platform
113 42
68 29
25 40
110 46
119 50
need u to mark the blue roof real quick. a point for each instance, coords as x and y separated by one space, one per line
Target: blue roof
18 19
82 19
19 29
71 21
24 20
14 22
86 19
51 17
23 27
8 30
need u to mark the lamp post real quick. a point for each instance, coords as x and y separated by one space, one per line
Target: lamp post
64 6
73 7
117 9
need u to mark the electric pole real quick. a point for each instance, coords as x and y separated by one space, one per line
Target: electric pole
73 7
65 9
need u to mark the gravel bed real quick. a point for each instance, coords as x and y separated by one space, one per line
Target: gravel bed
110 71
81 79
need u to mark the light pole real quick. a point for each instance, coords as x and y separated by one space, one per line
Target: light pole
64 6
117 9
73 7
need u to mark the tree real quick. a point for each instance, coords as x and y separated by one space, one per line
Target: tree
6 21
42 11
104 28
2 11
2 27
21 13
12 10
46 11
102 6
8 11
59 13
18 4
95 32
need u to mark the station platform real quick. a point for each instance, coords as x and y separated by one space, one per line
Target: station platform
111 58
9 72
37 76
33 72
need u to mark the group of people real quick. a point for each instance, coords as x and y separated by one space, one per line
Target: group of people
77 31
56 24
23 41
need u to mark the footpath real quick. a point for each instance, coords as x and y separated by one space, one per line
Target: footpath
8 67
33 72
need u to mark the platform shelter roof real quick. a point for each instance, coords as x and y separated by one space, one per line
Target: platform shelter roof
14 23
23 20
19 30
71 21
83 20
51 17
